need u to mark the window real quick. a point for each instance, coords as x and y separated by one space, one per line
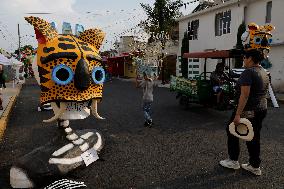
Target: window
245 14
193 29
129 67
223 23
193 67
227 22
218 24
268 12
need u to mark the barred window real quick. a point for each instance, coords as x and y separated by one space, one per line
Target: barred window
223 23
193 29
268 12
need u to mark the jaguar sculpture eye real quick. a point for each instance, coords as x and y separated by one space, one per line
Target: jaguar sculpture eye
62 74
257 40
98 75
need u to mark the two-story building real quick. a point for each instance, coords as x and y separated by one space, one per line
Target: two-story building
214 26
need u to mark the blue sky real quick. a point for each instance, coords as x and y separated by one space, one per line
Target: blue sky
113 16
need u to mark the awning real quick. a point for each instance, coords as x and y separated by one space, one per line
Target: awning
214 54
4 60
210 54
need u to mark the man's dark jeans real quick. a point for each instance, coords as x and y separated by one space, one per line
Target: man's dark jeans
253 146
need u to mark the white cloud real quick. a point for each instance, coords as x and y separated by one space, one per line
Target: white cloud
12 12
23 6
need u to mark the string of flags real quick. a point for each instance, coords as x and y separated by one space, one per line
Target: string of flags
132 15
188 3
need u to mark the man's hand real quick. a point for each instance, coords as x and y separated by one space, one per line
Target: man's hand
155 77
237 119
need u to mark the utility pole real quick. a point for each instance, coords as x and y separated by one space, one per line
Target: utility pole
162 59
161 21
19 52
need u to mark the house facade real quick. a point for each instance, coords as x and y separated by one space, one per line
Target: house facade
215 27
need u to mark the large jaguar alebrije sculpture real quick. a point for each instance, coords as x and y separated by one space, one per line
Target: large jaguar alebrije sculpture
71 80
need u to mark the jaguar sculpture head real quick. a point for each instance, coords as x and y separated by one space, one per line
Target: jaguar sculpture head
70 70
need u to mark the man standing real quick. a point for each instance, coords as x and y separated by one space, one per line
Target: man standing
1 75
147 84
252 88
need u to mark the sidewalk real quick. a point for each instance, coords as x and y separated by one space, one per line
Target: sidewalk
280 98
9 96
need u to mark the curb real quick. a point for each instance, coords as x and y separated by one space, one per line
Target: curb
7 111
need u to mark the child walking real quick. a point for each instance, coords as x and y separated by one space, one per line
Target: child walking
147 84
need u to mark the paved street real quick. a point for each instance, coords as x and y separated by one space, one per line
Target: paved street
182 150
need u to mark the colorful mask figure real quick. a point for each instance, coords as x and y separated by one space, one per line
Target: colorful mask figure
71 79
27 58
257 37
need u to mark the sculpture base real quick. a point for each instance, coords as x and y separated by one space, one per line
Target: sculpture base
54 159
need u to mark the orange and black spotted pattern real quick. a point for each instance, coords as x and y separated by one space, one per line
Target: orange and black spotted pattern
93 36
42 27
259 36
66 63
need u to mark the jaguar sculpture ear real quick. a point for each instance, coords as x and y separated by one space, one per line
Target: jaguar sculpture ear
43 30
94 37
253 26
269 27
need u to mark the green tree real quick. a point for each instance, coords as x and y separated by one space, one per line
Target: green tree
161 22
239 45
161 17
184 49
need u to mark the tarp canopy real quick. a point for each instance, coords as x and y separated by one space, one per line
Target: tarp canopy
14 61
4 60
232 53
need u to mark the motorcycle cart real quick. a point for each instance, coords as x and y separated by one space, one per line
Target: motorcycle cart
199 90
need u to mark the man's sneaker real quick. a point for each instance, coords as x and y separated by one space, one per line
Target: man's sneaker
255 171
146 124
150 123
228 163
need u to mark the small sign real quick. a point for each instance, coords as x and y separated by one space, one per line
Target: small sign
90 156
